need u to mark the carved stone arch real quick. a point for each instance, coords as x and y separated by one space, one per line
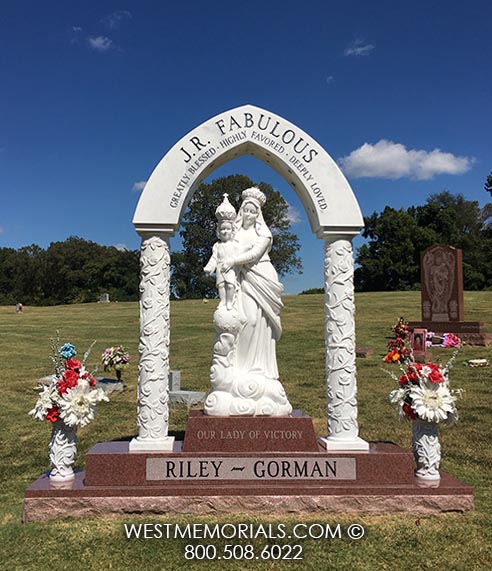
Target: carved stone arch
333 213
322 189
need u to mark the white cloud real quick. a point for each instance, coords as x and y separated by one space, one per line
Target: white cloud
387 159
330 79
100 43
121 247
139 185
358 48
293 215
76 29
114 19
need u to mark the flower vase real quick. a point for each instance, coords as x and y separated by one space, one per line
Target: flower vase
63 448
426 449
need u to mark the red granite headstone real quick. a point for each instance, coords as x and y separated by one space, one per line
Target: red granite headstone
441 278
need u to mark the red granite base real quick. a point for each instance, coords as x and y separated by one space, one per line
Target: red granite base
117 482
449 326
110 464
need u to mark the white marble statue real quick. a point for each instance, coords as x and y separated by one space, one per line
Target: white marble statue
225 249
244 373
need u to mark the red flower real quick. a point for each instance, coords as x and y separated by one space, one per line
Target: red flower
395 344
71 378
53 414
61 386
408 410
92 381
70 375
435 376
405 353
403 380
73 364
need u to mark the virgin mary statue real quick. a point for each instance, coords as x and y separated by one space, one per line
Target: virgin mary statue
244 373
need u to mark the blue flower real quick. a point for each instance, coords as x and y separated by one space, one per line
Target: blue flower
68 351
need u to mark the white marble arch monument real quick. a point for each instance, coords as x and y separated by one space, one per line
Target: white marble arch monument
334 216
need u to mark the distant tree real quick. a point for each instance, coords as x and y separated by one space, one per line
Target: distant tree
390 260
8 295
312 290
198 235
488 184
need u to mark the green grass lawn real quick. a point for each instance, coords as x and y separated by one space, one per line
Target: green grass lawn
447 542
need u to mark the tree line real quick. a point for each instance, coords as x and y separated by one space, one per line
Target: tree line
78 270
390 259
73 271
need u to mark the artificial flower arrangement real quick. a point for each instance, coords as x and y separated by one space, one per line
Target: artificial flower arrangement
116 358
448 340
71 394
397 351
424 393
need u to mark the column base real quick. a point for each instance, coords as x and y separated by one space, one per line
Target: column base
357 444
152 445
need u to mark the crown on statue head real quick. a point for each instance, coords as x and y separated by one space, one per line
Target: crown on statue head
225 210
254 193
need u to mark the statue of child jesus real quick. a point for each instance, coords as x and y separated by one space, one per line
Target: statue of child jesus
225 249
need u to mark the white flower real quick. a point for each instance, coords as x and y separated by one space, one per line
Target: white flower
46 400
78 405
432 401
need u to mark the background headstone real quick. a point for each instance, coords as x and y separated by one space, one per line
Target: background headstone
174 380
443 308
104 298
441 279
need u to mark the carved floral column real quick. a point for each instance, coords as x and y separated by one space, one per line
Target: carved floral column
341 383
153 368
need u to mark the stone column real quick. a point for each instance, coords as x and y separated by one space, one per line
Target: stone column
341 384
153 368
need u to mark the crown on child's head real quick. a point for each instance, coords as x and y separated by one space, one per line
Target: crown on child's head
254 193
225 210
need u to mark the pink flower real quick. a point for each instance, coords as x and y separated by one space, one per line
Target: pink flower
450 340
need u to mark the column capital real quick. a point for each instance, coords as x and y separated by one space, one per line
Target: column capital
333 233
162 230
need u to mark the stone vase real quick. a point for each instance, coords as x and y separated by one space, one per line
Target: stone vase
426 449
62 451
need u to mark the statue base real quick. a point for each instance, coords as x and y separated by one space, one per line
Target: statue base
293 433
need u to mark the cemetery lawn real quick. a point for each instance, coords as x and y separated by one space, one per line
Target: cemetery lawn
447 542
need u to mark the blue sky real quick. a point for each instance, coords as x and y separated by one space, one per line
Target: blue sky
93 94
